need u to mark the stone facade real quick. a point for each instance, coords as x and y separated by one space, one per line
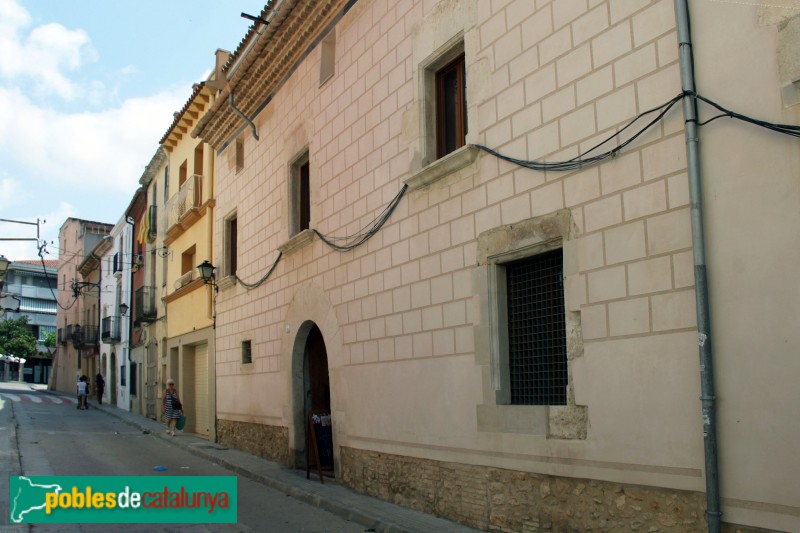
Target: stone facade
270 442
407 319
495 499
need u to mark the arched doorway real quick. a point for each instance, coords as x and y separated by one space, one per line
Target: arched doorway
311 383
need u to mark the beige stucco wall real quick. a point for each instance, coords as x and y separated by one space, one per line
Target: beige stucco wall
753 220
546 80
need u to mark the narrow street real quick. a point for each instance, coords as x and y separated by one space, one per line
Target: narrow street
55 438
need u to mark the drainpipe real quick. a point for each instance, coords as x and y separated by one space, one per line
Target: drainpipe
242 115
707 397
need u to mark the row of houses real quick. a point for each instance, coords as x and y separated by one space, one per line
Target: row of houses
506 248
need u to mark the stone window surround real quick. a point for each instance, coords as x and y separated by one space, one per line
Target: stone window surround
495 248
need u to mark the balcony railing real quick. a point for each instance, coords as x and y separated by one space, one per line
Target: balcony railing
188 198
109 329
144 302
83 336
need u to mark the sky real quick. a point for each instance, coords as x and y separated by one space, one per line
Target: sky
87 89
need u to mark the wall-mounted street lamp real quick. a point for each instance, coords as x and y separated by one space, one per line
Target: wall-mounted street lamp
206 270
123 309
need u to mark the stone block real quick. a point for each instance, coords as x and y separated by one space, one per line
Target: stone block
547 199
665 157
616 108
603 213
573 65
652 275
635 65
594 322
575 291
625 243
597 83
582 187
629 317
558 104
590 252
612 44
590 24
683 269
668 232
607 284
577 125
678 190
653 22
645 200
674 310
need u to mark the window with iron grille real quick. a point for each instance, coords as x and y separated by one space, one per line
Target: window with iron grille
537 343
247 356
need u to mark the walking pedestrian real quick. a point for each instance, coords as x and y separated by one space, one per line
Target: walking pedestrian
171 406
100 385
83 390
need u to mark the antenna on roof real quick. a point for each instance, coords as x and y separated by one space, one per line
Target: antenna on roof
255 19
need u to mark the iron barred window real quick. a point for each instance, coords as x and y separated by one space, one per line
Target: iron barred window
536 330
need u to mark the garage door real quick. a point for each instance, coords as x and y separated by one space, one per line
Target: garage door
201 389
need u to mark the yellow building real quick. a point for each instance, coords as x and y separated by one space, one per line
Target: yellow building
188 221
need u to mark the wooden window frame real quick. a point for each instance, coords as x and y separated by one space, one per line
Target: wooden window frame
457 66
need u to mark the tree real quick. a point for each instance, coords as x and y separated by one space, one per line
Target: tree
17 338
50 342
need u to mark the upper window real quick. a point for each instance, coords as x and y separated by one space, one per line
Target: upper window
247 354
182 174
231 246
300 196
451 107
239 154
536 326
327 63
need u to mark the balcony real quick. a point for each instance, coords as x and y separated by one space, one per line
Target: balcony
84 336
109 330
144 303
184 208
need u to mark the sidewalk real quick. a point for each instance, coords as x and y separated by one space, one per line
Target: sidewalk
376 515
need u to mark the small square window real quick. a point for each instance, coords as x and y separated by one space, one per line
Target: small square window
247 355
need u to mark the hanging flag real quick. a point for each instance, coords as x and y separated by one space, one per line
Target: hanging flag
144 228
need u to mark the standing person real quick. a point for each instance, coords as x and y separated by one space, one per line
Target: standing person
100 384
171 406
83 389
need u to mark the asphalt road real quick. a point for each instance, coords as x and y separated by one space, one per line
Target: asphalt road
58 439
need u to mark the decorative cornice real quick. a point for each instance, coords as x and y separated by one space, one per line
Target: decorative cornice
270 58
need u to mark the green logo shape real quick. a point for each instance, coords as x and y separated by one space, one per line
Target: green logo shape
123 500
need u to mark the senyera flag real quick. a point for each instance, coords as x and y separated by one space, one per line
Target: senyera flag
123 500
